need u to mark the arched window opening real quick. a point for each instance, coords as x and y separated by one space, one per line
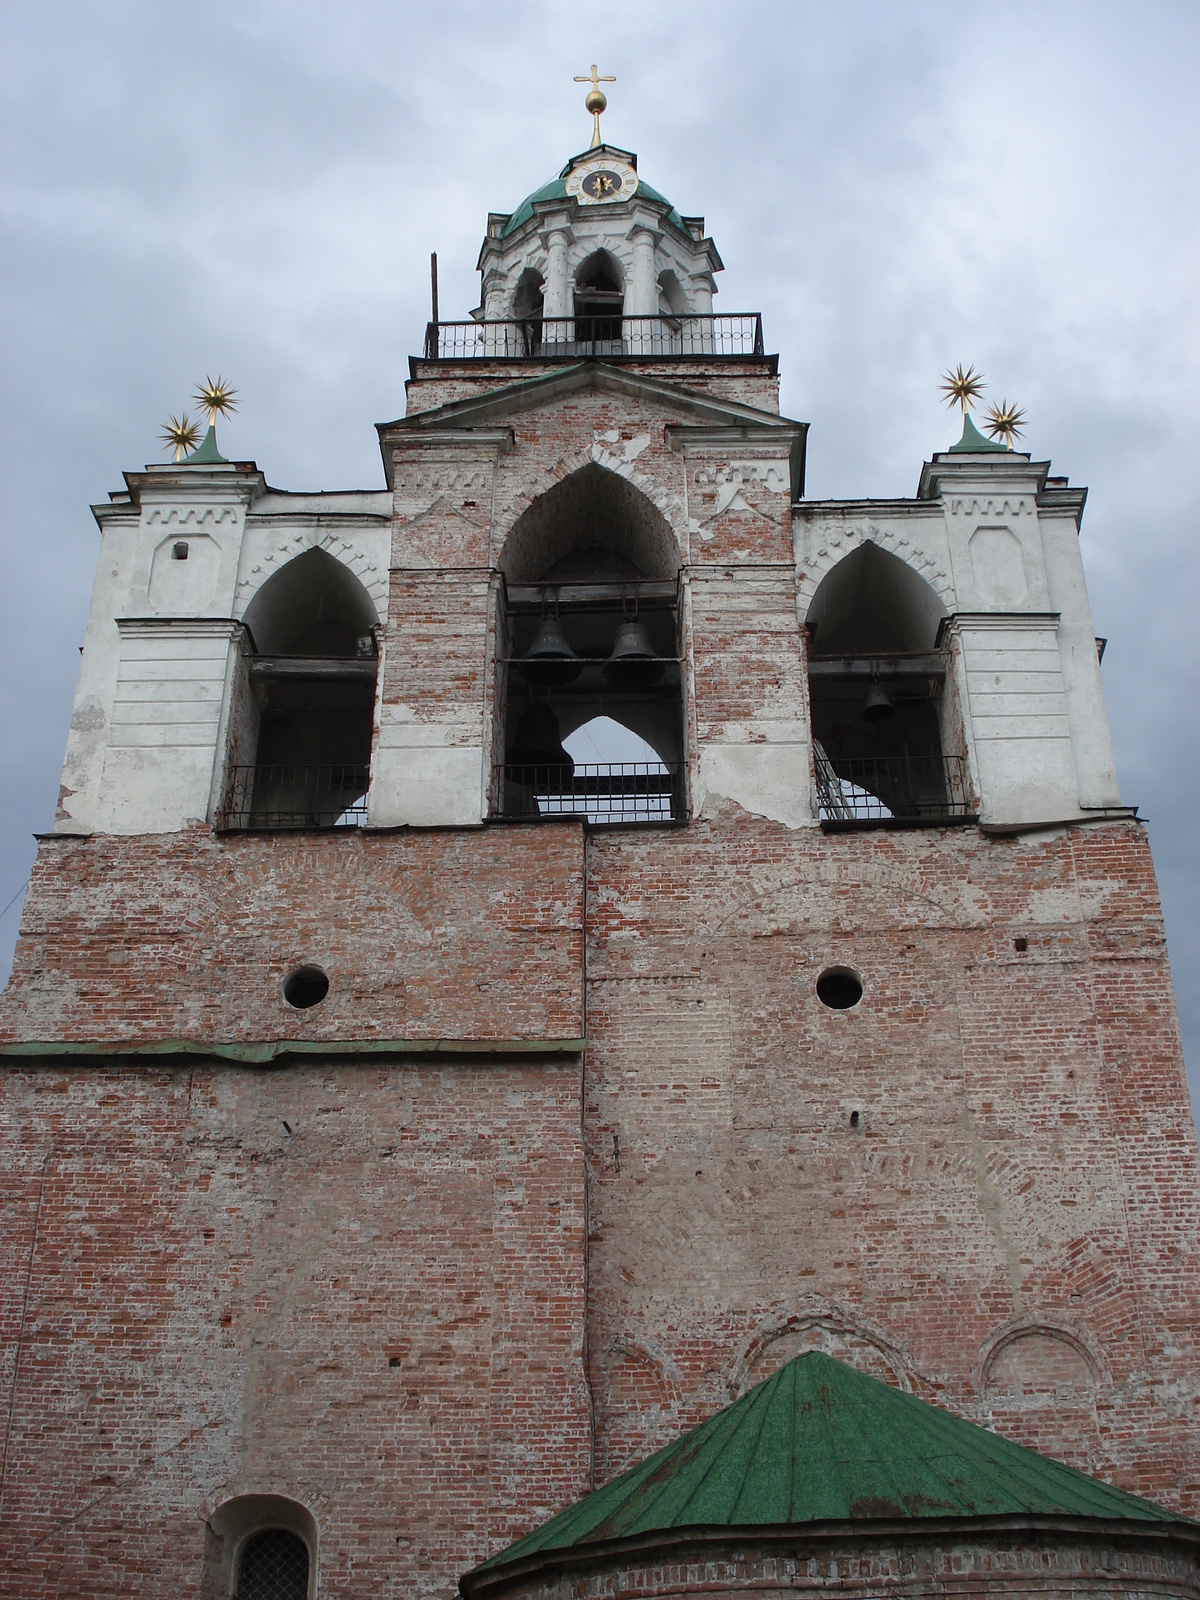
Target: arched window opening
273 1565
299 746
589 680
887 742
528 307
260 1547
599 301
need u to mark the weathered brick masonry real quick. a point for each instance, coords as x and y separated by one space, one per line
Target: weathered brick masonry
363 1282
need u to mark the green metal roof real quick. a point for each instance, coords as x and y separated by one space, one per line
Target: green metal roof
821 1442
556 189
972 441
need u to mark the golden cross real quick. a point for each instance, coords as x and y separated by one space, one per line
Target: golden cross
596 100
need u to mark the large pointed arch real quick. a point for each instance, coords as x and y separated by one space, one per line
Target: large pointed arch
592 508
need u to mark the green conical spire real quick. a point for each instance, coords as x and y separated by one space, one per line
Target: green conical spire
206 453
972 441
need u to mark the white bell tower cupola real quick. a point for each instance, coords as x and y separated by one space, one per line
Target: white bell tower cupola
596 243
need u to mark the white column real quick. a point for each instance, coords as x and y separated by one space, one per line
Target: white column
641 295
556 292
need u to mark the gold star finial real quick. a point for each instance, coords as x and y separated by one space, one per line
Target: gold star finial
1005 421
180 434
216 397
962 388
596 101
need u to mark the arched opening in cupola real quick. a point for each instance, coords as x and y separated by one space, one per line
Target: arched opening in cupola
589 645
528 309
887 734
599 302
301 715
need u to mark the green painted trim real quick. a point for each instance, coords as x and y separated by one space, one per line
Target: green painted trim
263 1051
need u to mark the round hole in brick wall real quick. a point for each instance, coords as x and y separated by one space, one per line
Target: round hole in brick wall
839 988
305 987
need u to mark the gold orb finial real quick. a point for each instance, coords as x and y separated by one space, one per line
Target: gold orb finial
180 434
962 388
1006 421
596 101
217 397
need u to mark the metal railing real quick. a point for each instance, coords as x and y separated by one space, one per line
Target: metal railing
903 789
600 791
559 338
284 795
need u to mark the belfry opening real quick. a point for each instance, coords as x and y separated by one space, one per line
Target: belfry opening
588 634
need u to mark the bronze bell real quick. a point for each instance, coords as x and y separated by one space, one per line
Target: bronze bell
632 664
550 662
537 744
877 707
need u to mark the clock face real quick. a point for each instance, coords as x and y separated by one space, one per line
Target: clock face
597 182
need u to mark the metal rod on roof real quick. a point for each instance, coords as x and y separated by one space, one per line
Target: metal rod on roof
433 284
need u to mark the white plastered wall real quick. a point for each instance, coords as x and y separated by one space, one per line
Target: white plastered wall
151 701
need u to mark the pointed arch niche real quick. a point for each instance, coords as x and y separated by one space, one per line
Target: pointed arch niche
589 643
888 742
298 745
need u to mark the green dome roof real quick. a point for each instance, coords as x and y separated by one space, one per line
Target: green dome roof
556 189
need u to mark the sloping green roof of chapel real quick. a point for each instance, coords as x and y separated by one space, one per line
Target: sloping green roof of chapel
556 189
821 1442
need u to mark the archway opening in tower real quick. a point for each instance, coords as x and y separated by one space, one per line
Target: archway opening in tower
301 715
887 734
599 302
589 683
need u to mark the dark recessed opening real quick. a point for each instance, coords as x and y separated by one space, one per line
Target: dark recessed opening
854 1119
305 987
393 1361
839 989
1020 944
179 550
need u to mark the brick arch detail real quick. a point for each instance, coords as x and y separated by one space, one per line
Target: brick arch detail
1055 1328
624 1346
356 562
840 542
825 1317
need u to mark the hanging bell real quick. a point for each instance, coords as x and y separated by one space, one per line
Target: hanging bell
550 662
536 754
877 707
632 664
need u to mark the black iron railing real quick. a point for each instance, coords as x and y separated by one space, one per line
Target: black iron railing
902 789
601 791
283 795
559 338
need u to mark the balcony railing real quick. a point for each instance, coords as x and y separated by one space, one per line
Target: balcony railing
905 790
286 796
601 791
563 338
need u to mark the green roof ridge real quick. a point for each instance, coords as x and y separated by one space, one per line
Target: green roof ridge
973 441
820 1441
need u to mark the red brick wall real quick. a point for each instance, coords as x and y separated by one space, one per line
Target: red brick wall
360 1286
199 1302
1024 1160
439 384
468 936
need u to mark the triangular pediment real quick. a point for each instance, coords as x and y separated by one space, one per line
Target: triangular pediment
689 408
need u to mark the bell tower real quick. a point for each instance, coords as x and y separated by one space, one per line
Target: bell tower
534 949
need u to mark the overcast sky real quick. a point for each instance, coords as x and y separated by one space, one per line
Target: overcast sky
256 187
